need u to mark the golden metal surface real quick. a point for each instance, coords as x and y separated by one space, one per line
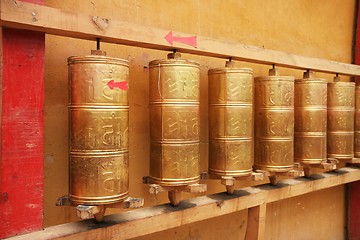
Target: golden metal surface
274 123
340 120
310 120
98 130
231 143
174 122
357 123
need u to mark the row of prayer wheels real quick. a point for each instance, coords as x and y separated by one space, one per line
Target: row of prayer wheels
264 123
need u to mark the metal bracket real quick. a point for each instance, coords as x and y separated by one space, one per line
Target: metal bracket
63 201
87 212
133 202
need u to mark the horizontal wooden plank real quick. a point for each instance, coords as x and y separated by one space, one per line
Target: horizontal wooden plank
158 218
17 14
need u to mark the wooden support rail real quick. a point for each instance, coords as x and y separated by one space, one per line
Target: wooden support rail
158 218
18 14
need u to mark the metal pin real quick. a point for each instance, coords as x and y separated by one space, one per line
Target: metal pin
98 43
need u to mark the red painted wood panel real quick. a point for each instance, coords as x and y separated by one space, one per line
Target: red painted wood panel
22 132
354 188
354 211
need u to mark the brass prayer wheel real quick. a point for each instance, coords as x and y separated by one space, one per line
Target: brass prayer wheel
98 131
274 123
310 119
174 121
231 143
357 123
340 118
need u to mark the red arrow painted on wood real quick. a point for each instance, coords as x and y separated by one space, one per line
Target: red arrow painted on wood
121 85
191 41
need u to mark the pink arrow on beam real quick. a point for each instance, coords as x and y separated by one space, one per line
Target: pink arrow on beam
121 85
191 41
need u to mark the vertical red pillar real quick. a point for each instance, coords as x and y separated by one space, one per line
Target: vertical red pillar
354 188
22 131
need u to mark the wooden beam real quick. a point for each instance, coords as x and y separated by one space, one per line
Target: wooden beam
17 14
158 218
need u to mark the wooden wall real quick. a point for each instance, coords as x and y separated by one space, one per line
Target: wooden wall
322 29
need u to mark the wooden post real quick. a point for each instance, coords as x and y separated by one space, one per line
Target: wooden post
256 223
22 128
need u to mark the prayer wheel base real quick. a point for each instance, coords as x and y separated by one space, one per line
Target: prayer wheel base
174 192
172 182
351 161
342 158
274 169
229 181
310 161
274 176
93 201
328 164
235 174
354 161
98 211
